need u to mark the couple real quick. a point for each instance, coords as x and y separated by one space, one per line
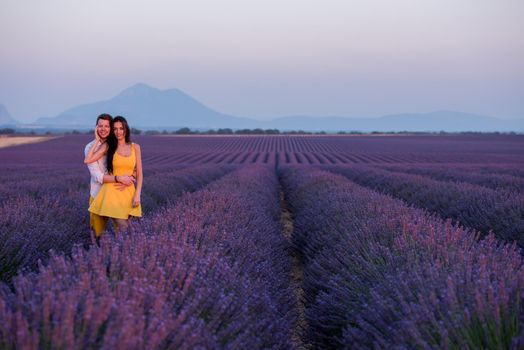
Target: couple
115 164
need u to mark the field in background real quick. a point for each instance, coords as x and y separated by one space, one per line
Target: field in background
270 242
275 150
9 141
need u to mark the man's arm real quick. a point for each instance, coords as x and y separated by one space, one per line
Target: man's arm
101 177
123 179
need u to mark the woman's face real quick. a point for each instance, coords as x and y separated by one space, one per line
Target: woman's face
118 129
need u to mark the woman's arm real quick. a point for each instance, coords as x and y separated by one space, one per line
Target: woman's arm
92 156
139 176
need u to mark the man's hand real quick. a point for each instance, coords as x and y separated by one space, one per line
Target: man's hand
124 181
127 180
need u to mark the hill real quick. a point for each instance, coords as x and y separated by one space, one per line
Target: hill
5 117
150 108
145 106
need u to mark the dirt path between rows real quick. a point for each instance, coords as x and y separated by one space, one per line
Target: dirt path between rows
9 141
296 276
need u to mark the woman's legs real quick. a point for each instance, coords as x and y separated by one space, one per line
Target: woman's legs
120 224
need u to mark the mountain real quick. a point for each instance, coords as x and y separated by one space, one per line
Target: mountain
450 121
145 106
150 108
5 117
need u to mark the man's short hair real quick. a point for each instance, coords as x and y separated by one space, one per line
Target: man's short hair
104 116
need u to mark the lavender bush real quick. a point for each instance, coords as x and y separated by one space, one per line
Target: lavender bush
504 150
210 272
379 274
473 206
211 269
469 174
164 186
51 213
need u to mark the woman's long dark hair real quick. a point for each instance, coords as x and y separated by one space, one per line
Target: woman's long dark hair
112 142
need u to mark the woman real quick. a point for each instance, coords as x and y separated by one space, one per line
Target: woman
123 158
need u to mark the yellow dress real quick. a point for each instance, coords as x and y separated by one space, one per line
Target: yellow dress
112 202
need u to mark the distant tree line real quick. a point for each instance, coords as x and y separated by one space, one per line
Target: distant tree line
224 131
7 131
229 131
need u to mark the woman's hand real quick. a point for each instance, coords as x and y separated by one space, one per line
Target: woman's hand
136 200
97 137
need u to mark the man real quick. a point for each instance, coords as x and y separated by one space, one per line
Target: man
98 171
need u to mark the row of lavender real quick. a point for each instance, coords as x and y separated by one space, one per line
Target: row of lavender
478 147
473 206
46 208
307 158
209 272
503 149
394 276
282 158
456 173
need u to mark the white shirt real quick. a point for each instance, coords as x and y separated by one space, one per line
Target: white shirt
97 170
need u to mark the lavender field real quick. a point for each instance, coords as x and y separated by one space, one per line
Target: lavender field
270 242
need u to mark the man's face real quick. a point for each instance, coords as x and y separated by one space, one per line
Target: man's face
103 128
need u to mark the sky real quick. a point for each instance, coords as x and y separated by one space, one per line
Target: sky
267 59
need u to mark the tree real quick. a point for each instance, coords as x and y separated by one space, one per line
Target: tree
183 131
224 131
6 131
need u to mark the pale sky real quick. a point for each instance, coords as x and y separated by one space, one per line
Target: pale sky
266 59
